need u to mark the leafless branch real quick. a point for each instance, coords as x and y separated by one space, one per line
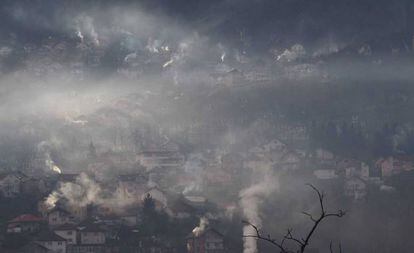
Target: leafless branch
302 242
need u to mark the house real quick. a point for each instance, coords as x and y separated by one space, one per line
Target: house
395 165
26 223
53 242
10 184
91 233
58 216
355 188
207 241
68 232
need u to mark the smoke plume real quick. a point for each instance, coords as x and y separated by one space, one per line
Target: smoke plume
197 231
251 199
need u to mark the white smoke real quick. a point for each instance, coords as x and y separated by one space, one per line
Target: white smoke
85 24
199 230
79 35
194 166
85 191
44 149
250 201
296 52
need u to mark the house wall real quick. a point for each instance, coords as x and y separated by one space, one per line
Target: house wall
68 235
57 218
25 227
54 246
92 238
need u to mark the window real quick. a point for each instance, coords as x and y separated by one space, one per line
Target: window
69 233
59 243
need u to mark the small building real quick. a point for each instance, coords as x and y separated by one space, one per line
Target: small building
26 223
207 241
53 242
68 232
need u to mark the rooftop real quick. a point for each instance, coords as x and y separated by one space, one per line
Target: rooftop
26 218
48 236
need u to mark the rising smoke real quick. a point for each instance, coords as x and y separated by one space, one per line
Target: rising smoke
251 199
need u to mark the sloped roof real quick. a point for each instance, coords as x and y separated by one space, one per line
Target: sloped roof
48 236
26 218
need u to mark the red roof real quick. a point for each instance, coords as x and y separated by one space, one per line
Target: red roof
26 218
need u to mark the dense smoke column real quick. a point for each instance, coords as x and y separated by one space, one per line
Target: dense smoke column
251 199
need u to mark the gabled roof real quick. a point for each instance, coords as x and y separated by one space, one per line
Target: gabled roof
26 218
48 236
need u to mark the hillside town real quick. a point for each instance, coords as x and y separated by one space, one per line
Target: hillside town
169 201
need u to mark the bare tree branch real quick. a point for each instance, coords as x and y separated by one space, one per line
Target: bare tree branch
302 242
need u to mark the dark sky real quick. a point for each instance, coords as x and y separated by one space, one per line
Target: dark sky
263 21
